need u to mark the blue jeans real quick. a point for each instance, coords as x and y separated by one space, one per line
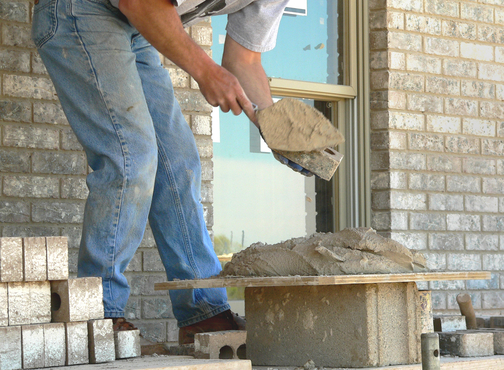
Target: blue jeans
120 103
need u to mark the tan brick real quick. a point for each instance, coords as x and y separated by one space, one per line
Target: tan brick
397 99
444 163
412 5
406 121
460 68
179 77
426 142
388 140
378 20
378 40
406 81
425 103
442 7
479 166
404 41
476 51
476 12
28 87
459 29
492 109
499 16
491 72
379 80
379 120
488 33
478 127
395 20
202 35
461 144
500 92
461 107
478 89
442 85
499 54
420 23
396 60
443 124
378 60
423 63
440 46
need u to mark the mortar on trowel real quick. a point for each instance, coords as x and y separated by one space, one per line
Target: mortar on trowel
303 135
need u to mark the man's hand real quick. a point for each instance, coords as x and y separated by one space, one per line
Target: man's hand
159 23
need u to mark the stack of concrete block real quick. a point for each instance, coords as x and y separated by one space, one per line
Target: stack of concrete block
46 319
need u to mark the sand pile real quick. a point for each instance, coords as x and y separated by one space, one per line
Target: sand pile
350 251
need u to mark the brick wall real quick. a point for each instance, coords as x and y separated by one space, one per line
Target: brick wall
437 81
43 167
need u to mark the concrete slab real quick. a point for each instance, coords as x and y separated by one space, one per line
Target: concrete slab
11 259
221 345
32 339
77 351
127 344
291 325
54 344
57 257
35 259
101 341
10 348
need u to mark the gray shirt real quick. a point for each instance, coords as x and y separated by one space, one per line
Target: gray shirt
252 23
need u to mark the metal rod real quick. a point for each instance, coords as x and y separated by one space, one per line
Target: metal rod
431 357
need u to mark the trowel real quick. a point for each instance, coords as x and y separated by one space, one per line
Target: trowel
300 133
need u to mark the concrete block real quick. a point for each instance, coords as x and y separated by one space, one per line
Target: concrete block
32 339
29 302
361 325
78 299
4 305
11 259
54 345
10 348
35 259
466 344
221 345
57 257
497 321
101 341
447 323
77 350
127 344
426 318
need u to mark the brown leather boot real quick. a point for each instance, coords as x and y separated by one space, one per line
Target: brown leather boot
120 324
224 321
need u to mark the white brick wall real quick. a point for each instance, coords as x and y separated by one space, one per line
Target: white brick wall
437 68
43 167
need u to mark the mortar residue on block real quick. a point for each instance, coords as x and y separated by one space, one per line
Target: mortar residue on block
32 338
77 350
220 344
448 323
19 303
54 345
10 348
11 259
350 251
292 125
4 305
466 344
101 341
127 344
35 259
40 302
322 163
57 257
341 326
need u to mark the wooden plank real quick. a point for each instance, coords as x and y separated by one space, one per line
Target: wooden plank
321 280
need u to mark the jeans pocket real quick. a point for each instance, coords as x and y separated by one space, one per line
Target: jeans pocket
45 21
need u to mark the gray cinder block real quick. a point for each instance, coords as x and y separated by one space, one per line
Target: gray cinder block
78 299
4 305
10 348
497 322
101 341
447 323
11 259
32 339
29 302
77 350
35 259
466 344
57 257
127 343
220 344
54 345
362 325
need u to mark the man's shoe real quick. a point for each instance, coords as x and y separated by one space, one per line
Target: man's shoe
120 324
224 321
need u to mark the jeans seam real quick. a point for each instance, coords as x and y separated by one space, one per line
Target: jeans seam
124 151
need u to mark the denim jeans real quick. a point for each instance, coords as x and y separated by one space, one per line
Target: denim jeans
120 103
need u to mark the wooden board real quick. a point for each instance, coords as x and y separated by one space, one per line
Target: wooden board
320 280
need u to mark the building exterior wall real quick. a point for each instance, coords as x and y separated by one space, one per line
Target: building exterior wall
43 167
437 123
